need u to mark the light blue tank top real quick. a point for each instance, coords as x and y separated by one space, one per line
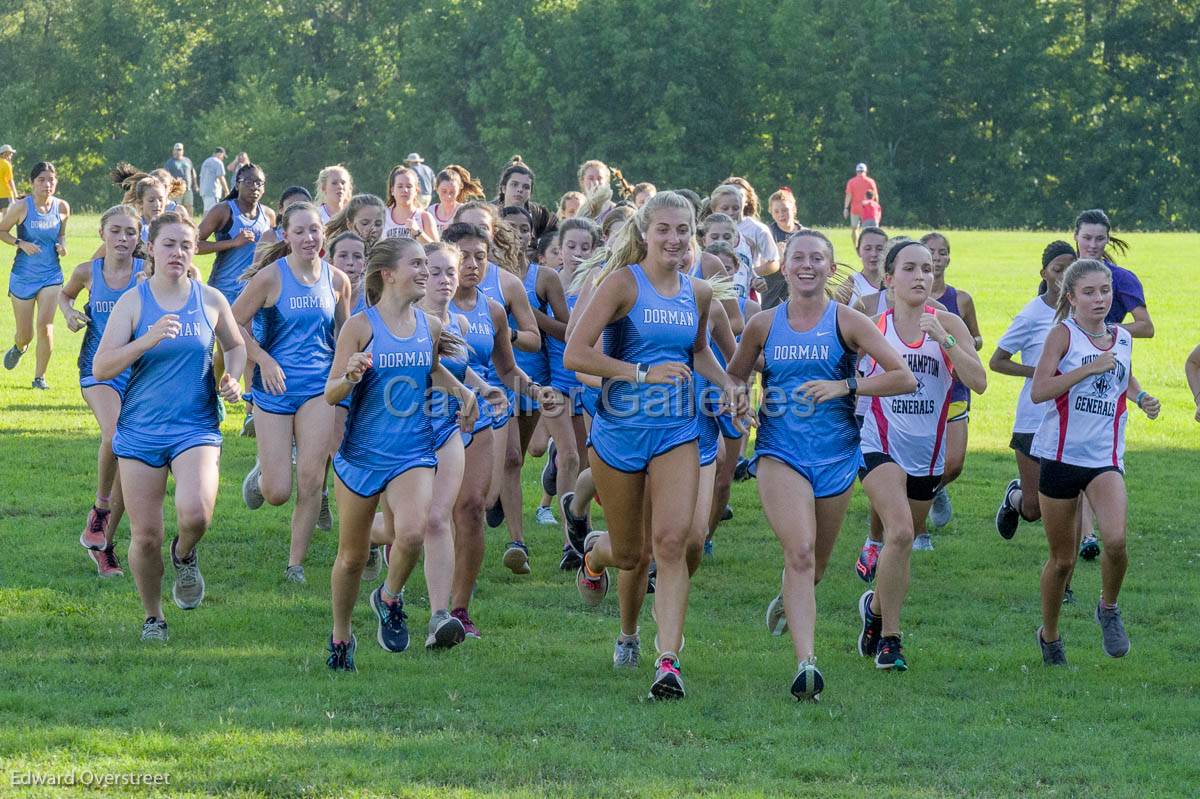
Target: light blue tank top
42 230
101 300
656 330
490 284
230 264
534 364
387 423
789 424
561 378
480 336
444 407
171 389
297 331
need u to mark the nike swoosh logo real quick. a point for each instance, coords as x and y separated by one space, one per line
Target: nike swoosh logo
823 333
422 340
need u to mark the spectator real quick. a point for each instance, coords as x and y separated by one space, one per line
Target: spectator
872 211
242 159
856 191
8 188
213 185
180 166
424 177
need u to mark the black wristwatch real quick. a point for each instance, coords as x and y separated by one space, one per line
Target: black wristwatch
512 335
852 385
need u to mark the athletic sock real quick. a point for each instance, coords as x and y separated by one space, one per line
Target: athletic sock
587 570
1107 606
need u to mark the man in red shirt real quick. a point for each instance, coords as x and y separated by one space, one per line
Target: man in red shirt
856 191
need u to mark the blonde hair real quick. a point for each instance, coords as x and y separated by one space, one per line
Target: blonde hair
1072 275
730 190
571 195
629 245
622 213
272 252
750 208
605 172
450 345
323 180
116 210
384 255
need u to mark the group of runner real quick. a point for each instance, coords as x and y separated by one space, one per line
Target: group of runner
420 353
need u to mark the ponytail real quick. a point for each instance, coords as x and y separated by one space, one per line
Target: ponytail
629 245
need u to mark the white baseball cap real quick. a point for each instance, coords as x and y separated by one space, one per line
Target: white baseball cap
414 158
8 148
860 168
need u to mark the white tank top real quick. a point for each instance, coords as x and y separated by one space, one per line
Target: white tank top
862 287
1086 425
911 428
398 230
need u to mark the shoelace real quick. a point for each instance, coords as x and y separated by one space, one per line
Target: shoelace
110 558
99 518
396 615
188 572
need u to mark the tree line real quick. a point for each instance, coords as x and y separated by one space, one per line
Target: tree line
990 113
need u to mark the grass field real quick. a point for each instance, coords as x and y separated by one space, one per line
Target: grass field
240 703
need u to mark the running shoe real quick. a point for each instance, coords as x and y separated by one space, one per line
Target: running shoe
652 578
106 562
571 560
13 357
1008 518
550 471
468 626
154 629
188 591
923 543
1053 653
1089 547
742 470
776 616
386 554
1112 631
294 574
628 652
324 517
92 536
444 631
248 425
40 384
872 626
1068 596
890 656
727 514
591 589
545 516
577 526
708 548
251 489
392 630
808 682
668 682
495 514
341 654
516 557
868 560
370 572
942 511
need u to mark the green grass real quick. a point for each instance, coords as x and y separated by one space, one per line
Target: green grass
239 702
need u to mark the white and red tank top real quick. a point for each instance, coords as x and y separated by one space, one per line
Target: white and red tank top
1086 425
911 428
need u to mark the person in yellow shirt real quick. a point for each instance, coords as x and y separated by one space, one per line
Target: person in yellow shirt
8 189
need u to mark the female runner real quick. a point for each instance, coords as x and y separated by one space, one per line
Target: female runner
300 299
404 218
643 439
41 242
903 438
386 360
807 453
163 332
1086 368
335 187
106 279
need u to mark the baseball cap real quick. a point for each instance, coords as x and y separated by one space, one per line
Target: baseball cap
178 146
414 158
8 148
860 168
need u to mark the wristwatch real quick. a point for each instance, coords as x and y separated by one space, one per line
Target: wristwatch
643 372
852 385
950 342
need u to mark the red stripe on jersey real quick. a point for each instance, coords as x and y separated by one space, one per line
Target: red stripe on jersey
880 423
941 429
1117 426
1063 403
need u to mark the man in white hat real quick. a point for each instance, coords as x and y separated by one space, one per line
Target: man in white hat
856 191
417 164
8 188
